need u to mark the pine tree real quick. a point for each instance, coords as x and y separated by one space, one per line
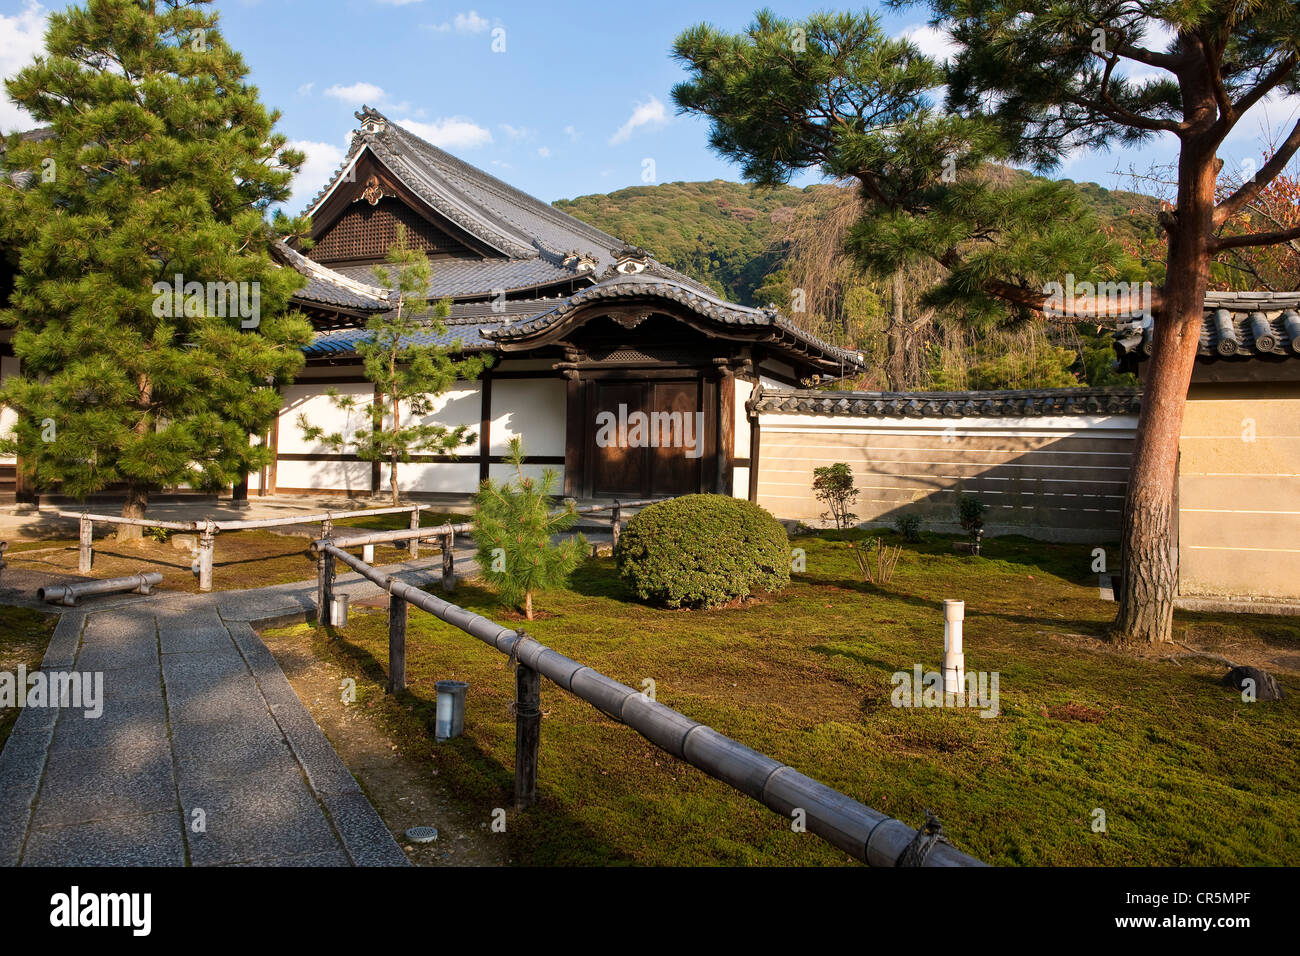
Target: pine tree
1031 80
513 527
408 377
158 171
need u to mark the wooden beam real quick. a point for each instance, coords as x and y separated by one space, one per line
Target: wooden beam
485 427
726 428
574 435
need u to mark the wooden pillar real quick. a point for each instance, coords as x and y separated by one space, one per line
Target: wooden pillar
269 487
753 457
448 559
396 644
574 434
528 732
415 542
726 428
86 546
324 586
207 549
485 427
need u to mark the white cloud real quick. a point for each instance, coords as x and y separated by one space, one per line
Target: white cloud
305 89
932 41
357 93
572 133
22 37
469 22
517 132
650 113
322 160
451 133
543 152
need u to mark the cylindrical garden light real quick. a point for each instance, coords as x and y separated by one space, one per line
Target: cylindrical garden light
450 721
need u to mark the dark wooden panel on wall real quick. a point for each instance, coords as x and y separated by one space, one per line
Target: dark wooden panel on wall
365 232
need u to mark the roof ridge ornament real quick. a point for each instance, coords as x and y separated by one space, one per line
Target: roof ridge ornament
372 121
579 261
631 260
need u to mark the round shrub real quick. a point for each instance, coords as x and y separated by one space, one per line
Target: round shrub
703 551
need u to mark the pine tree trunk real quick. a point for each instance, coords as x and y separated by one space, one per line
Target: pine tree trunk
392 482
135 506
896 339
1150 553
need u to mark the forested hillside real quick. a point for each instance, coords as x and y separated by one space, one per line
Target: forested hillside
732 235
756 246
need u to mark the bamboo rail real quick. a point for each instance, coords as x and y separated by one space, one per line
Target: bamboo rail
865 834
208 529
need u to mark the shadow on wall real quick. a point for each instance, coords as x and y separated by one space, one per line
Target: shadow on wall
1051 486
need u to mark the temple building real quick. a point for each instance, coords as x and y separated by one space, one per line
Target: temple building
625 376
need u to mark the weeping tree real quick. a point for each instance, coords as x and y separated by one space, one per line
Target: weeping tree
149 316
1030 81
411 365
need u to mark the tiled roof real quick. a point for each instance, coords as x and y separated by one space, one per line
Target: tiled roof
1236 326
327 287
1011 404
519 319
344 341
510 221
539 245
452 278
703 304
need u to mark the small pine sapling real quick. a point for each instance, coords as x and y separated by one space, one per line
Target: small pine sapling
513 527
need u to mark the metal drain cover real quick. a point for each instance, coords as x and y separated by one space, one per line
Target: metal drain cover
422 834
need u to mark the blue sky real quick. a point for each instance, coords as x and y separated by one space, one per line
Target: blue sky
576 102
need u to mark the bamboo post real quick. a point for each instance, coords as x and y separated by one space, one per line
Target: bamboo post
615 520
396 644
325 585
207 547
85 550
448 559
415 542
528 731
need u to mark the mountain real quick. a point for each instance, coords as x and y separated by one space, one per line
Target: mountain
731 235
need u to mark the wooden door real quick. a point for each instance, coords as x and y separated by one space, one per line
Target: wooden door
646 439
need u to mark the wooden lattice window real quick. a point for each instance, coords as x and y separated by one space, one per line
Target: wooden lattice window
365 233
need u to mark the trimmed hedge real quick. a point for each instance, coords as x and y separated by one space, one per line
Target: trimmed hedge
703 551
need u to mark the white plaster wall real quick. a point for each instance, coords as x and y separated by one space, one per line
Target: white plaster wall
444 477
501 473
460 405
311 401
351 476
8 366
531 407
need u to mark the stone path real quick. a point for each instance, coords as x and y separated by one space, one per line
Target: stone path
203 754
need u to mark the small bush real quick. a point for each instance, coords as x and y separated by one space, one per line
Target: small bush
833 485
970 512
909 526
703 551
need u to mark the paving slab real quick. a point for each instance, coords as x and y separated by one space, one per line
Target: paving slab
199 753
